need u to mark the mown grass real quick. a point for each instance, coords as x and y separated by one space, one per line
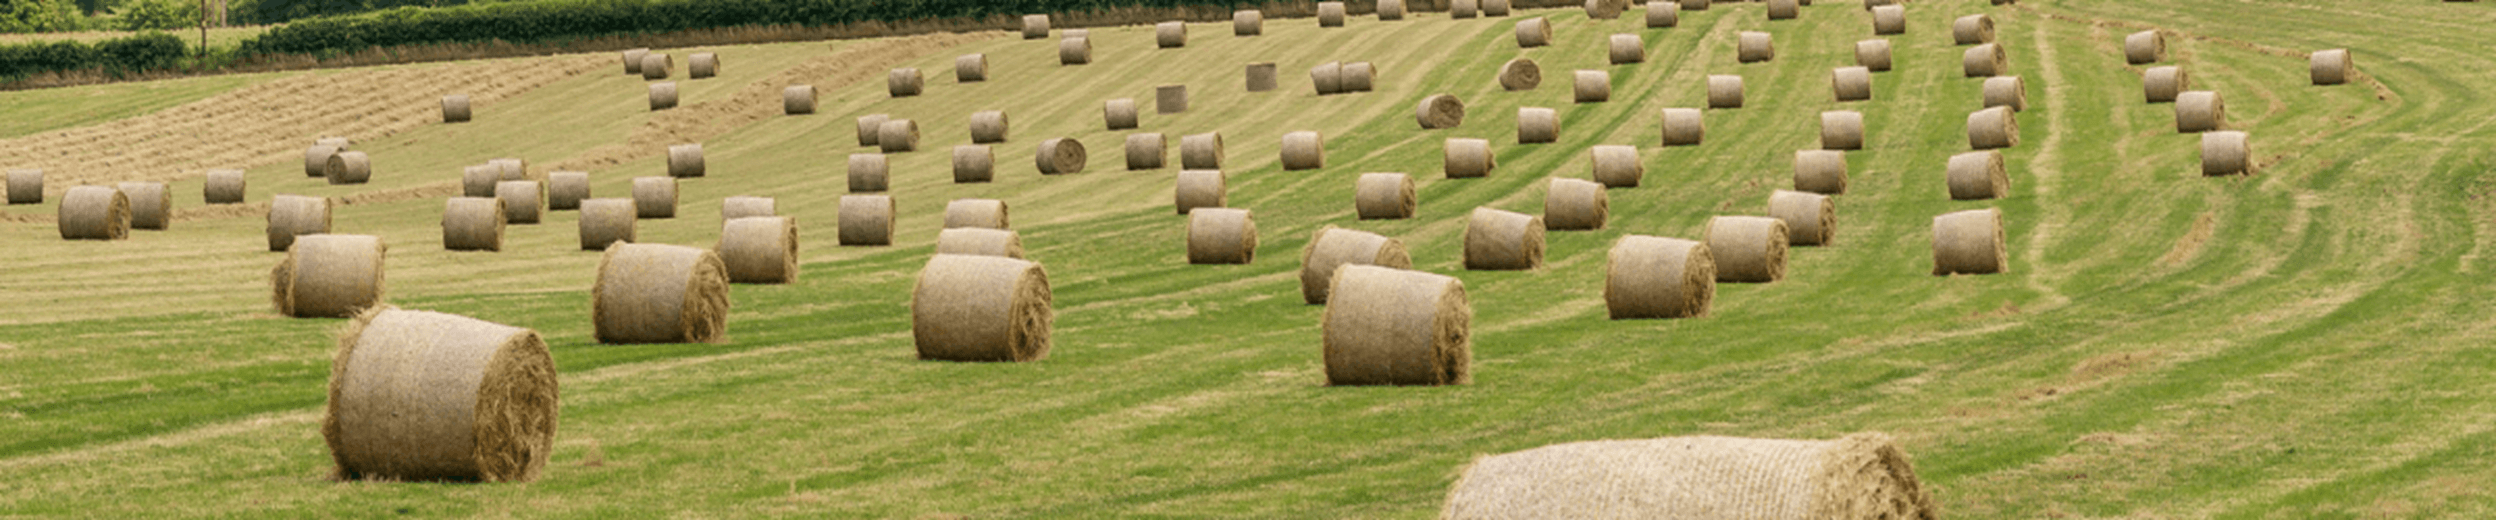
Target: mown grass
34 111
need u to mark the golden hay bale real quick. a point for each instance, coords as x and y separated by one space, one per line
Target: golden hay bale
866 220
1120 114
2145 47
1684 126
868 125
510 169
1647 277
2163 84
566 190
759 250
658 293
1985 60
1992 128
904 82
291 216
973 163
472 224
1851 83
1469 158
654 197
349 168
1889 19
455 108
1617 166
1724 91
1147 151
2331 66
733 208
1247 22
1602 10
1662 14
1261 77
1978 176
2226 153
94 213
1592 86
976 213
685 160
315 162
979 241
1783 10
1498 240
1359 76
989 126
478 181
1464 9
1972 29
1202 189
1170 99
1873 55
1537 125
1970 242
1841 130
654 66
1810 218
632 61
970 68
1334 247
1533 32
898 135
1060 155
1572 204
605 222
1746 249
151 204
1820 171
1303 150
328 276
524 202
1494 7
1390 10
797 100
2006 91
1860 476
981 308
419 396
1388 326
1074 51
2200 111
1520 74
1330 14
701 65
1221 236
1201 151
1327 78
1384 196
1035 26
1755 47
1170 35
1627 48
224 187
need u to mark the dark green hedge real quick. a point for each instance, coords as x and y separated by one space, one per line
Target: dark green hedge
141 53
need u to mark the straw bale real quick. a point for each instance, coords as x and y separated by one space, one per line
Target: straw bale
658 293
1464 9
1992 128
2331 66
701 65
1494 7
1359 76
2226 153
1035 26
94 213
2163 84
1978 175
989 126
224 186
970 68
1201 151
1075 50
1497 240
1469 158
1972 29
1520 74
866 220
478 181
1684 126
1332 248
1247 22
654 197
632 61
759 250
1747 249
1303 150
1783 10
1820 171
1572 204
424 396
1390 10
605 222
1663 14
1060 155
1330 14
973 163
1694 5
1627 49
1388 326
1533 32
898 135
1617 166
1170 35
1755 47
1889 19
2006 91
1861 476
1120 114
1810 218
904 82
1970 242
1384 196
1221 236
1261 77
1851 83
1593 86
328 276
2145 47
1170 99
455 108
472 224
976 213
868 126
510 169
1646 277
1724 91
1327 78
2200 111
1841 130
979 241
685 160
981 308
292 215
524 202
654 66
1537 125
315 160
1985 60
733 208
1202 189
566 190
797 100
349 168
151 204
1147 151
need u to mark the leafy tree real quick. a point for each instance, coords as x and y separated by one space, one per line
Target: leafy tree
25 16
142 15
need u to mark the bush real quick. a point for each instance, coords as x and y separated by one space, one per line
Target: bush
556 20
158 15
146 52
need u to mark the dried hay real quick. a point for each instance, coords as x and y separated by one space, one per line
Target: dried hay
1662 14
1851 83
1861 476
701 65
1810 218
315 162
979 241
897 136
1592 86
94 213
1061 155
328 276
1575 205
2163 84
1247 22
2226 153
1201 151
478 181
1537 125
2145 47
1820 171
1841 130
1221 236
1439 111
1035 26
654 197
1147 151
657 293
472 224
1889 19
685 160
424 396
1390 10
348 168
1747 249
1497 240
1755 47
866 220
1332 248
1495 7
455 108
1978 176
632 61
151 204
733 208
1327 78
1170 35
2006 91
868 127
604 222
224 187
2200 111
973 163
1384 196
1074 51
1783 10
1520 74
1330 14
797 100
1303 150
1202 189
1992 128
1617 166
1464 9
1627 49
1972 29
1120 114
1684 126
904 82
1469 158
662 95
1646 277
759 250
1873 55
566 190
1261 77
981 308
291 216
1969 242
1724 91
988 126
970 68
2331 66
1985 61
654 66
1533 32
1388 326
976 213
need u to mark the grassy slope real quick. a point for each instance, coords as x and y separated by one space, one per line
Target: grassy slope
2167 345
33 111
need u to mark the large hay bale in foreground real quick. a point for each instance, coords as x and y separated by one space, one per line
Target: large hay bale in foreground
981 308
869 126
1202 189
1247 22
1440 111
2226 153
1978 175
1841 130
654 197
478 180
1389 326
566 190
1221 236
1469 158
1851 83
224 187
1061 155
1533 32
1684 126
979 241
1035 26
349 168
1873 55
94 213
632 61
904 82
1747 249
733 208
472 224
291 216
1724 91
701 65
1889 19
685 160
1332 248
1384 196
1201 151
2006 91
1074 51
1617 166
423 396
315 161
1592 86
1537 125
2145 47
151 204
1755 47
1330 14
1663 14
1810 218
455 108
1627 49
1147 151
328 276
2331 66
1170 35
604 222
1984 61
759 250
974 163
1520 74
1120 114
988 126
662 95
797 100
1497 240
1572 204
2200 111
1992 128
1861 476
658 293
970 68
1970 242
897 136
866 220
1972 29
654 66
1303 150
1648 277
1820 171
976 213
2163 84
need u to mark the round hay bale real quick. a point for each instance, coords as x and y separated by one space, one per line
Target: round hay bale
701 65
1389 326
989 126
1537 125
1390 10
1469 158
605 222
898 135
973 163
658 293
1602 10
1810 218
1330 14
1978 176
455 108
1075 33
1201 151
1617 166
685 160
2200 111
976 213
979 241
1120 114
328 276
1851 83
797 100
94 213
904 82
1334 247
970 68
1724 91
1498 240
291 216
1684 126
1327 78
2163 84
1992 128
151 204
1972 29
510 169
2145 47
1202 189
1303 150
1694 5
1755 47
1074 51
1495 7
566 190
1147 151
1170 99
418 396
868 126
733 208
2006 91
1572 204
1221 236
1627 49
866 220
981 308
759 250
1533 32
1170 35
1646 277
2226 153
1870 5
1820 171
632 61
1984 60
224 187
1783 10
1384 196
1860 476
1970 242
1261 77
654 197
315 162
1464 9
1060 155
1841 130
1662 14
1593 86
472 224
1520 74
1359 76
2331 66
1746 249
349 168
1889 19
654 66
1035 26
478 181
1247 22
1873 55
524 202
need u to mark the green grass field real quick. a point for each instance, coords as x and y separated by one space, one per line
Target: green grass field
2308 342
